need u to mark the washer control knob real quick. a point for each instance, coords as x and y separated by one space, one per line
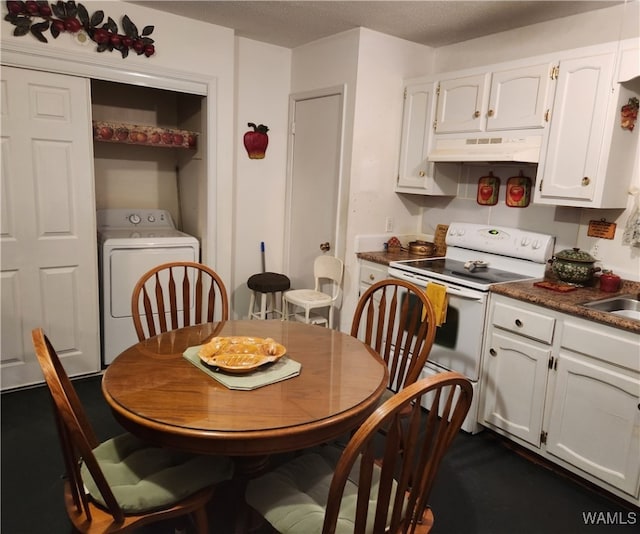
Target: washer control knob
134 218
151 218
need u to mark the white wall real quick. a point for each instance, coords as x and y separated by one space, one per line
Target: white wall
263 75
384 62
372 67
594 27
329 63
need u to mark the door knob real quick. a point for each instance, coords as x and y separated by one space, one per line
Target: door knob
325 247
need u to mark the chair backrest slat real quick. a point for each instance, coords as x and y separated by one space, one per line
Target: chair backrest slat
396 319
173 299
186 298
198 295
160 308
211 303
194 281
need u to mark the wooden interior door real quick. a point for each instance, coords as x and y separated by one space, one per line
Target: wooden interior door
47 228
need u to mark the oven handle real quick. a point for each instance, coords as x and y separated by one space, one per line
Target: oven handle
465 294
422 282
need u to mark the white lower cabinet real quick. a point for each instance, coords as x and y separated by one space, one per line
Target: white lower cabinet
594 423
567 388
514 400
370 273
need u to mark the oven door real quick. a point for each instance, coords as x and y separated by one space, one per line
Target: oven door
458 342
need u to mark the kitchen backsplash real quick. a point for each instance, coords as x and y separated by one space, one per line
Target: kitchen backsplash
567 224
376 242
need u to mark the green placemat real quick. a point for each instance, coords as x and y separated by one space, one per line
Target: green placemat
267 374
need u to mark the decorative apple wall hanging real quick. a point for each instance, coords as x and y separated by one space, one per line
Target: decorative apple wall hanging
629 114
518 191
256 141
488 188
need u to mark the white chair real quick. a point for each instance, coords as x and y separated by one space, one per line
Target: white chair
325 269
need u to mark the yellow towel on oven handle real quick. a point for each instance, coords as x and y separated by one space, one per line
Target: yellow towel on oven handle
437 294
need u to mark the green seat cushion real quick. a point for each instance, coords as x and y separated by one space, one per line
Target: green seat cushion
143 477
293 497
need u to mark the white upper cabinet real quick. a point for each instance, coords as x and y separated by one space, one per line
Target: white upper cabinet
519 98
590 156
417 117
415 174
575 138
570 102
508 99
462 104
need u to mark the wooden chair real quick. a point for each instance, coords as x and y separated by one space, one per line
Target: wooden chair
327 490
123 483
396 319
177 294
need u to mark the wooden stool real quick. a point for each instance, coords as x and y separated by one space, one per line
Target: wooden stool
267 284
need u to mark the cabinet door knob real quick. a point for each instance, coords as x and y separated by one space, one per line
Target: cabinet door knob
371 277
421 174
476 114
490 113
493 352
518 323
586 181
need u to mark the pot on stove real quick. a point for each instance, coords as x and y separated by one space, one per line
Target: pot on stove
574 266
421 248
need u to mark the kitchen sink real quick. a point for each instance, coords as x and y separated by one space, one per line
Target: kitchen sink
622 305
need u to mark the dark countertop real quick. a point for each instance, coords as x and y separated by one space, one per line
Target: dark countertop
385 257
568 302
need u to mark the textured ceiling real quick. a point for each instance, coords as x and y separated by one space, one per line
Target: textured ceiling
430 22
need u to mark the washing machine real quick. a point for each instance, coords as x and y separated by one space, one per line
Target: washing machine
130 242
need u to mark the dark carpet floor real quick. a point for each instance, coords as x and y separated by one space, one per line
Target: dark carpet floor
485 486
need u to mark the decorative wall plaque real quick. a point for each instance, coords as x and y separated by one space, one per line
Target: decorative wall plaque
602 229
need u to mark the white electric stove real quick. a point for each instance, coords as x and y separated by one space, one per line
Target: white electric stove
477 257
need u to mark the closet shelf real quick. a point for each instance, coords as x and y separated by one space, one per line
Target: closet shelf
134 134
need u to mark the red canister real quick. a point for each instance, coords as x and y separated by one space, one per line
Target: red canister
609 282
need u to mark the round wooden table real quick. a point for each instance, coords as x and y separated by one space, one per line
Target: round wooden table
160 396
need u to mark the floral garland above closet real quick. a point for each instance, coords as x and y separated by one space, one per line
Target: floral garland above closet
36 17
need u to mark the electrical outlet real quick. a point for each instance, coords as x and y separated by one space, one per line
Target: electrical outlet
388 224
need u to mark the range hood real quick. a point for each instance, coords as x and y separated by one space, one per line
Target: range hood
525 149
